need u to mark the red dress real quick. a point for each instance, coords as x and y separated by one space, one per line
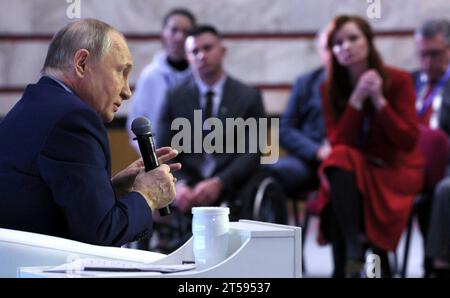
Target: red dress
388 167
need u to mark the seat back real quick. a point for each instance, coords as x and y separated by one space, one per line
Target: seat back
433 144
25 249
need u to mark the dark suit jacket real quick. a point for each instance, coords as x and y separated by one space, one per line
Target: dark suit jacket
238 100
55 172
302 127
444 114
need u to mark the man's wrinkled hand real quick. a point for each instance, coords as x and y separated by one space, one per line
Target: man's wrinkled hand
156 186
164 154
124 180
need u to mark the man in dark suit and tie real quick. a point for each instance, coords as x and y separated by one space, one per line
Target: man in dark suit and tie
433 109
208 179
54 155
432 80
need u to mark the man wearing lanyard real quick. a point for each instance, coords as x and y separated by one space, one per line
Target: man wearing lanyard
433 109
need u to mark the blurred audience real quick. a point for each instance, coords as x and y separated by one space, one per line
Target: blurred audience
433 108
375 168
207 179
302 130
168 68
352 120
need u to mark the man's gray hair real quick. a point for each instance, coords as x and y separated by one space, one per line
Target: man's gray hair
431 28
89 34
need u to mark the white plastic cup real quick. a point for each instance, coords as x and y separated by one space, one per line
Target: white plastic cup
210 227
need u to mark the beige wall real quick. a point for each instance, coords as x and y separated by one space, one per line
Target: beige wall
256 61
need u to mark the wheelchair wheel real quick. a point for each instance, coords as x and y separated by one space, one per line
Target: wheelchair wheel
269 204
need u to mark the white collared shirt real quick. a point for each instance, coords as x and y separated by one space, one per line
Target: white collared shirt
217 88
61 83
436 104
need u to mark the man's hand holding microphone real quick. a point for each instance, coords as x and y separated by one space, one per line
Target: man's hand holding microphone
156 186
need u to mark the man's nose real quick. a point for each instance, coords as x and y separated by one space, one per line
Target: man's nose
426 62
201 55
126 92
346 45
179 36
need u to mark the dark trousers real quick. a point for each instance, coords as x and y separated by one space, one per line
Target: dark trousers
346 203
343 224
295 175
438 242
424 207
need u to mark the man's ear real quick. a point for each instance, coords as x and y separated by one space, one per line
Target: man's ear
80 60
224 51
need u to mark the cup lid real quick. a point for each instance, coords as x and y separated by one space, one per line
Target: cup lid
211 210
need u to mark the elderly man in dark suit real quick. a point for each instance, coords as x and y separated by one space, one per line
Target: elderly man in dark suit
433 109
433 78
54 157
208 179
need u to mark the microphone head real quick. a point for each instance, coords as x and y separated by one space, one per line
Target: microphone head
141 126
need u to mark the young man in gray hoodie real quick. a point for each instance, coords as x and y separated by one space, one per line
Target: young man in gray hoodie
167 68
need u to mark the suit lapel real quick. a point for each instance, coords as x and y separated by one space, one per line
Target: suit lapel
444 117
192 97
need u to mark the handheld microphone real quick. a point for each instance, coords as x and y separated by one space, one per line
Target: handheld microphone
141 127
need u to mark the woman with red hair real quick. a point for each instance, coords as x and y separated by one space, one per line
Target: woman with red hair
374 169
